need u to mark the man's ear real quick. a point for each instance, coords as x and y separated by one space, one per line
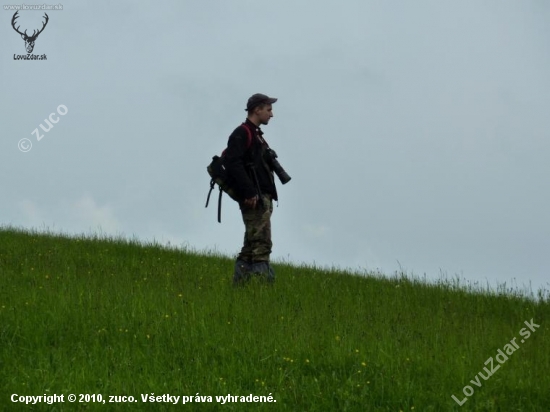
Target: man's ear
258 108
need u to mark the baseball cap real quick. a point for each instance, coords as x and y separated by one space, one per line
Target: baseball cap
258 99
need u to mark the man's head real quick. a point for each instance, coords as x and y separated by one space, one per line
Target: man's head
259 108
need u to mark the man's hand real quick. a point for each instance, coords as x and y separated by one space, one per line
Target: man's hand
251 202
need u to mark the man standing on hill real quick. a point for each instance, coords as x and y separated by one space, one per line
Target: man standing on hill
248 164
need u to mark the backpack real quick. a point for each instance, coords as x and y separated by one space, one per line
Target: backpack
218 174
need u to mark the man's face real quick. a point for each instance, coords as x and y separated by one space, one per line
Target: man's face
264 113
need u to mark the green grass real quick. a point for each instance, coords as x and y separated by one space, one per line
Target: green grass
91 315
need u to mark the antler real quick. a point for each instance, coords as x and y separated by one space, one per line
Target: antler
15 16
34 36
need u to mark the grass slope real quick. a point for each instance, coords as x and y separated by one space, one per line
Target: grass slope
112 317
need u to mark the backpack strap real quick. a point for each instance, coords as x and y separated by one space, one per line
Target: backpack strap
212 183
220 206
248 135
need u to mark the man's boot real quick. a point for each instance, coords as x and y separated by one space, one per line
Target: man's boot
264 270
242 272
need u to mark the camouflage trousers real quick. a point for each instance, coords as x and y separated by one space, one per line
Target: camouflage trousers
257 236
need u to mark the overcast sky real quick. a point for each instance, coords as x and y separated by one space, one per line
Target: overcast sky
415 132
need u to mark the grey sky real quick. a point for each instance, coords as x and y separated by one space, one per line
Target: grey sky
414 132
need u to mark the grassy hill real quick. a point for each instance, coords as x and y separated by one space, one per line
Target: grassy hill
116 318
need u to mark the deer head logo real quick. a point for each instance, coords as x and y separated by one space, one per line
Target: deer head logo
29 40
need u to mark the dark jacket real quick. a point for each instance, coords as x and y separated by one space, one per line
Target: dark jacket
237 157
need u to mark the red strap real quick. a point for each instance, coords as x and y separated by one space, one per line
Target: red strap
260 138
249 135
